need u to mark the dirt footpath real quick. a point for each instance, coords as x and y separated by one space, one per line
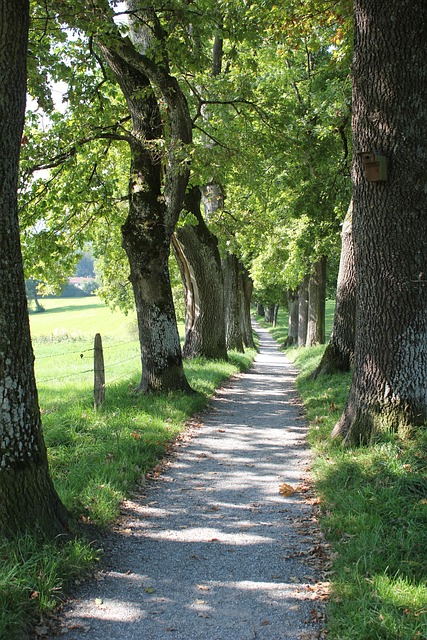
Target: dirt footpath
215 549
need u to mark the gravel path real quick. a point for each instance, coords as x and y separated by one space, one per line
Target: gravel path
213 550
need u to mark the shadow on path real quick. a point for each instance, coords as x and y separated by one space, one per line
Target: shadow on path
212 550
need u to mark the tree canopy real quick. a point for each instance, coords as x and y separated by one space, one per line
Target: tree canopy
276 137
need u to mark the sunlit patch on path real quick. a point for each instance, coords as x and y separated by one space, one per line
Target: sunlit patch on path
215 549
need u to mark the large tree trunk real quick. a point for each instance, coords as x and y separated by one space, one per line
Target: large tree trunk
292 317
339 354
28 499
389 386
154 206
303 312
246 288
196 250
232 298
269 313
316 304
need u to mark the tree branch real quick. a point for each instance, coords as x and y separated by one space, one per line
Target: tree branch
59 159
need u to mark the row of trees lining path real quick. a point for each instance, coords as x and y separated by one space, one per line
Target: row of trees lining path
389 229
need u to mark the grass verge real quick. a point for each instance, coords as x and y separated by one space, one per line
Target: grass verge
373 503
96 458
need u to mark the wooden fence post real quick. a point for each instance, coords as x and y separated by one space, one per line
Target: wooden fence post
99 373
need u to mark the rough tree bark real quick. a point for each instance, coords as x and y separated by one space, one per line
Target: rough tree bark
292 317
28 498
246 288
232 298
260 309
303 312
269 313
389 386
196 250
316 304
339 354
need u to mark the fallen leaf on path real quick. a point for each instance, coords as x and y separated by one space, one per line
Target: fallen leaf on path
321 590
316 616
286 490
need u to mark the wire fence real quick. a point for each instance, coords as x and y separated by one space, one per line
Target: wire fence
75 365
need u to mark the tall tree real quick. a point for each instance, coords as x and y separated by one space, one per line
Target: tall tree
316 304
28 498
339 353
246 290
158 141
233 302
196 250
389 386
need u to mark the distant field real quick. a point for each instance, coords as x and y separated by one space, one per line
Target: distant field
63 340
77 318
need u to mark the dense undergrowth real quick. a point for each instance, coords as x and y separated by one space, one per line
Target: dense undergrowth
373 504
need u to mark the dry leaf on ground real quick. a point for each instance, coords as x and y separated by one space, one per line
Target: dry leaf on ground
286 490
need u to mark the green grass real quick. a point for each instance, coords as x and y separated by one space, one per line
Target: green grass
373 505
33 574
96 458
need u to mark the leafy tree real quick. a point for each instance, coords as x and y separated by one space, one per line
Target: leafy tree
29 500
157 178
31 289
389 382
287 187
269 122
85 266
